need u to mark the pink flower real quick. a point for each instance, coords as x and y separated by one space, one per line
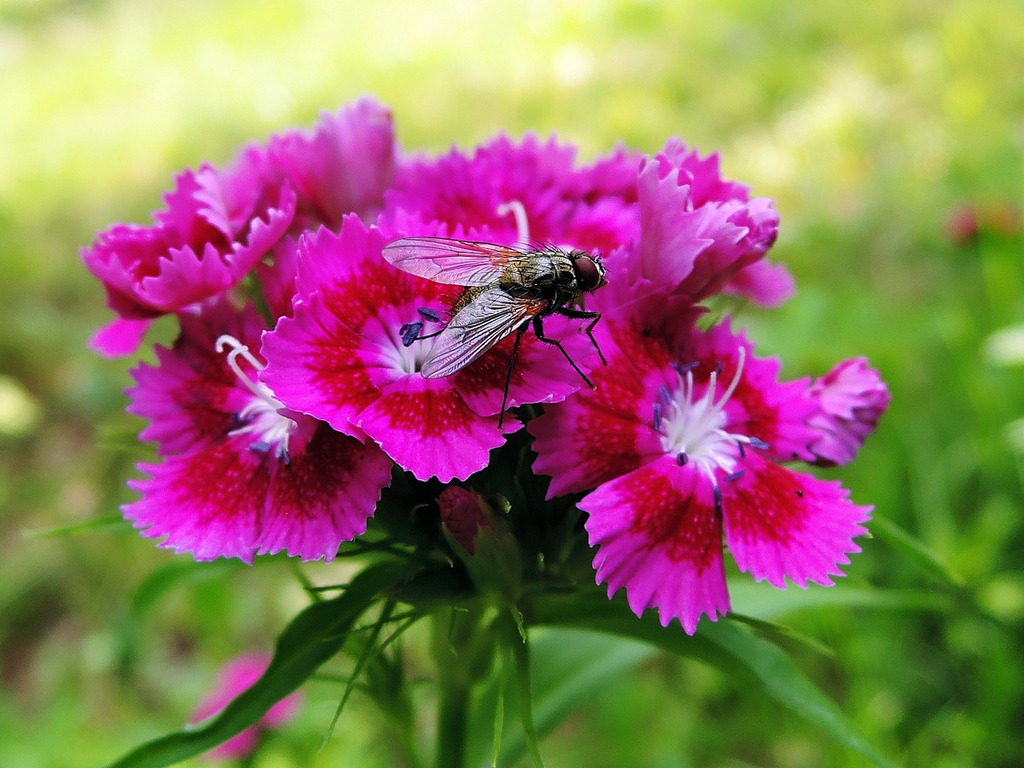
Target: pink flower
528 192
219 225
236 677
240 475
681 443
342 358
702 234
851 399
343 166
216 227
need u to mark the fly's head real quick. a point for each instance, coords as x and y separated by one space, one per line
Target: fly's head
590 271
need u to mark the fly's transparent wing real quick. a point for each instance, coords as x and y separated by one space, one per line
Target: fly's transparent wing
477 327
453 262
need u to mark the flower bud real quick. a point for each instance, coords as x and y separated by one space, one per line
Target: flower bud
851 398
463 512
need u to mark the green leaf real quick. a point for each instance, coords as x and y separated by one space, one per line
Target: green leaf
115 523
560 681
179 571
763 601
783 681
312 637
915 551
724 644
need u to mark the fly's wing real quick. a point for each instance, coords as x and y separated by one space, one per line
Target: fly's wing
453 262
477 327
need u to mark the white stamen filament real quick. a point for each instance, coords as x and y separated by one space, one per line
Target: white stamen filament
694 429
262 415
258 388
518 210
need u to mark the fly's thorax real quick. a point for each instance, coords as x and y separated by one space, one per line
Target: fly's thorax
548 276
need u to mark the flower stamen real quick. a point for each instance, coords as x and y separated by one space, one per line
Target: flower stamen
262 415
518 210
695 427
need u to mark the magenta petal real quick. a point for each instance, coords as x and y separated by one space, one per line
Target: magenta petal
207 502
541 373
324 496
429 430
659 536
343 166
780 523
671 231
314 365
769 285
119 338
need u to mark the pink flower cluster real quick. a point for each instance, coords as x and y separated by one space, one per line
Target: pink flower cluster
293 390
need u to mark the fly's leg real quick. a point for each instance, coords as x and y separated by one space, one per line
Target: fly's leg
538 329
508 374
582 314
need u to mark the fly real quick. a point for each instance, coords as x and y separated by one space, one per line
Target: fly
510 290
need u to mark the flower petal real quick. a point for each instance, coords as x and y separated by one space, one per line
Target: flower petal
659 535
324 496
426 427
207 502
780 523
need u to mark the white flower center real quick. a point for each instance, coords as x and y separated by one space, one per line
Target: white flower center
262 415
694 428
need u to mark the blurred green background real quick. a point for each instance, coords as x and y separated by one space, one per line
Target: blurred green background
890 133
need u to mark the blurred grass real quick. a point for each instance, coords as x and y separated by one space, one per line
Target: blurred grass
869 125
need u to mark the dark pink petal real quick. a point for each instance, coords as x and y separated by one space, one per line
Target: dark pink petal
208 502
216 227
851 398
315 365
600 434
343 166
459 190
429 430
783 524
659 535
322 497
119 338
604 226
462 513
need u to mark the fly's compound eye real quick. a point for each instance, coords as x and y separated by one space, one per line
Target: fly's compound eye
589 269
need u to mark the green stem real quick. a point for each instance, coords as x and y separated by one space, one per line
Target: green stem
463 647
452 721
